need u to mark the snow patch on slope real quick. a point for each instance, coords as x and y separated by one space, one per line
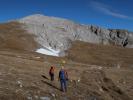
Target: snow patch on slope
48 51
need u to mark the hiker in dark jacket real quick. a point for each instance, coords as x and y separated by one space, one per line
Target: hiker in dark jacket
63 77
51 73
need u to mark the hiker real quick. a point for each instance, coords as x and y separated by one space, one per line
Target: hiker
51 73
63 77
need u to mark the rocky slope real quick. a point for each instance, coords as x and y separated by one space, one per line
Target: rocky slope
60 33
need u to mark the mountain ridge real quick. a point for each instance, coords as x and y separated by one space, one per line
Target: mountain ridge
58 33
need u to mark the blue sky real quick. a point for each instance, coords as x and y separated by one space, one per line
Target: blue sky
105 13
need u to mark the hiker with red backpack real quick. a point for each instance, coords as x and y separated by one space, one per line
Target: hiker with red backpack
51 73
63 77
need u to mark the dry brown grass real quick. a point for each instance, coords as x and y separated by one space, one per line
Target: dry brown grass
100 55
13 36
25 67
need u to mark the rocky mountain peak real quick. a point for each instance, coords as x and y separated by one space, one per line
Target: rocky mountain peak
59 33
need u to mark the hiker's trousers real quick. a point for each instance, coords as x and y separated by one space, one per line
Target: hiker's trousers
63 83
52 76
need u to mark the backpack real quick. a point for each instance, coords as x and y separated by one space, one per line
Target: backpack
51 71
63 74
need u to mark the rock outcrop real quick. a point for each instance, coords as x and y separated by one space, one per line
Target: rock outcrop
59 33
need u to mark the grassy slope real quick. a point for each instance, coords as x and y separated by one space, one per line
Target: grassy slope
100 55
27 68
12 36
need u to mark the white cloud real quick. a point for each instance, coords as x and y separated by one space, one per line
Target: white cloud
108 10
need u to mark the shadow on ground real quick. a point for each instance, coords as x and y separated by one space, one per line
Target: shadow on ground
45 77
45 82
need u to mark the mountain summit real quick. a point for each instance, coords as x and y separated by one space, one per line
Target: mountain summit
59 33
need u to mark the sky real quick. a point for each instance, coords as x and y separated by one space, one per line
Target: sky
113 14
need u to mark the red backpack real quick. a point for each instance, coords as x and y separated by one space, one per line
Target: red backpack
51 71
